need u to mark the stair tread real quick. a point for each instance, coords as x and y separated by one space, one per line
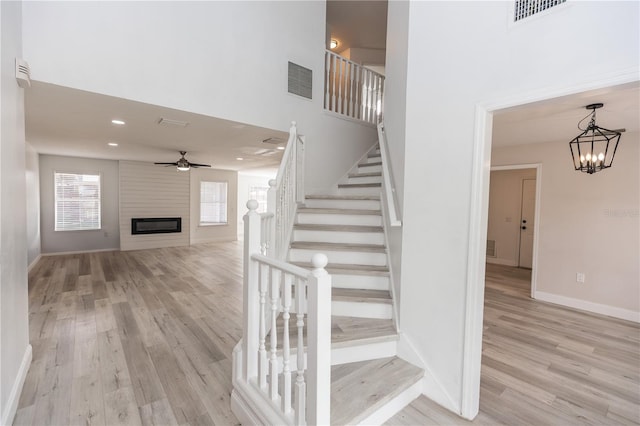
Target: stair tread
311 245
337 228
349 269
360 185
358 389
360 296
377 163
343 197
374 155
319 210
368 174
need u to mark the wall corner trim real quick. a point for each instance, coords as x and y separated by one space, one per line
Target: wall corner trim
11 408
34 263
585 305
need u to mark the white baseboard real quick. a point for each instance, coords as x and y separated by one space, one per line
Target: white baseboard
9 412
585 305
63 253
32 264
498 261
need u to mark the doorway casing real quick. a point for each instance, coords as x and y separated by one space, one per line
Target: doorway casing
479 206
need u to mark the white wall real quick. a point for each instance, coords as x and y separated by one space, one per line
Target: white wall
460 55
364 56
245 181
15 351
151 191
505 205
106 238
226 59
588 224
33 205
210 233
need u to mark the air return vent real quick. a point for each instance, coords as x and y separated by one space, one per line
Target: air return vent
525 8
23 73
300 79
491 248
169 122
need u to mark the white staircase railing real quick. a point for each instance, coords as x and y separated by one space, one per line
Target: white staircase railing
389 197
275 383
352 90
286 192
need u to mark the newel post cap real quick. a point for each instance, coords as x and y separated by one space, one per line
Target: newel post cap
273 183
252 205
319 262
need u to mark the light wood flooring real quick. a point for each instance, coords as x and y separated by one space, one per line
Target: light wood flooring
145 337
543 364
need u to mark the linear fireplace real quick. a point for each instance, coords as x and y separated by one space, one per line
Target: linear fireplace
159 225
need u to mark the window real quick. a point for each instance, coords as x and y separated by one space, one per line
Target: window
259 193
213 203
77 201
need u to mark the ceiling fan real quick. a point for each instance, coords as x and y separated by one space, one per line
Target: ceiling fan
183 165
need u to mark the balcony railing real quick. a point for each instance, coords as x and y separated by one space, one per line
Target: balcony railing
352 90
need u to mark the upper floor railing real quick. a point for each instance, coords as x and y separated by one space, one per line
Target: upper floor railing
352 90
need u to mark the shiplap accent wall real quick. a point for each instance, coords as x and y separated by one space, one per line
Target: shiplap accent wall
147 190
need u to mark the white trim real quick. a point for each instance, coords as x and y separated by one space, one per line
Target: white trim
585 305
34 263
62 253
536 219
12 402
481 160
499 261
394 405
392 288
432 388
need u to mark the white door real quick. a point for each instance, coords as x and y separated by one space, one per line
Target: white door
526 223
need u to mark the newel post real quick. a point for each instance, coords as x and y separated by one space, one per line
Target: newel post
251 308
319 343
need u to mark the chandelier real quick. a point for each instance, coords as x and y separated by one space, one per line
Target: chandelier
593 149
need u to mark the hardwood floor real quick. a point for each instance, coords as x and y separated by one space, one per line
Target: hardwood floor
141 337
145 337
544 364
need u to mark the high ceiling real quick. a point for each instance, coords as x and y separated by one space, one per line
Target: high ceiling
358 23
64 121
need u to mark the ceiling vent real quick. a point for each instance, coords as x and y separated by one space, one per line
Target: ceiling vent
273 141
169 122
23 73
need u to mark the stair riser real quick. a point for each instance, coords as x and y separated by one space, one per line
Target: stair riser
362 310
375 159
365 179
346 257
369 169
360 191
345 355
344 204
339 237
339 219
362 282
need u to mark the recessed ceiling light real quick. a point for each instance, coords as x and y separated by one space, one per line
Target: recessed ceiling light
118 122
333 43
239 158
280 147
112 143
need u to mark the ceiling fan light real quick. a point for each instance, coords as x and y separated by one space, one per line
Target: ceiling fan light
183 168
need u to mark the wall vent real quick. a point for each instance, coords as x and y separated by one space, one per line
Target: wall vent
169 122
491 248
300 80
525 8
23 73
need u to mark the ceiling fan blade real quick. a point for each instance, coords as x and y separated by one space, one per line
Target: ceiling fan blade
199 165
167 164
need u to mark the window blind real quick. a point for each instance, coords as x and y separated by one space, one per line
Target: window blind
77 201
213 202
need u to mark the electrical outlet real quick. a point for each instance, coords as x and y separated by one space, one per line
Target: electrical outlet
580 277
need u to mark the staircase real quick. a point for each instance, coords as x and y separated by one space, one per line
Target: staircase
369 382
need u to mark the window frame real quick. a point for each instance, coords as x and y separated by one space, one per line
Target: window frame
207 224
55 201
